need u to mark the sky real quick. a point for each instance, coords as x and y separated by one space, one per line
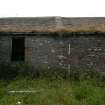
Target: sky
64 8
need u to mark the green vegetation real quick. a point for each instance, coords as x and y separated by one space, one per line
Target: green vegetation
52 87
55 92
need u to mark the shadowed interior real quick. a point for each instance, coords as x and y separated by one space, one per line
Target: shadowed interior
17 49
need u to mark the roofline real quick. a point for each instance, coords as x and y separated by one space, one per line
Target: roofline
57 24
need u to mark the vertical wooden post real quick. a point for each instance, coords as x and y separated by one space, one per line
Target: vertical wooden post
69 51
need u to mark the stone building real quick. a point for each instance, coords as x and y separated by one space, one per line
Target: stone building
53 42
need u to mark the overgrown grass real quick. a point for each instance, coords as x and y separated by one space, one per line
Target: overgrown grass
56 92
54 87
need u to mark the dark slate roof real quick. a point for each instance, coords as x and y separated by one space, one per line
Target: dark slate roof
52 24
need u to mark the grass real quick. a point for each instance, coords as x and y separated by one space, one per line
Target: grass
54 87
52 92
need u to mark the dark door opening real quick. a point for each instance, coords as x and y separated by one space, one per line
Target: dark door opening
18 53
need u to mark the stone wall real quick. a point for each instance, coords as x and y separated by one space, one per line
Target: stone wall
74 52
5 49
45 51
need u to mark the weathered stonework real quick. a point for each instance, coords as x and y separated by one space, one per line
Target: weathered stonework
5 49
51 52
68 43
88 52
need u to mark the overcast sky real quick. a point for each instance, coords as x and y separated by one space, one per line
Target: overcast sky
65 8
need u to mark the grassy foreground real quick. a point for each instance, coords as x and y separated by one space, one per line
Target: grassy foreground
55 92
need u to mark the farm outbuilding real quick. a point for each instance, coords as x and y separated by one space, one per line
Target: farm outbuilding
52 42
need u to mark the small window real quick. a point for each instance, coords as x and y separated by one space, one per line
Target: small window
18 53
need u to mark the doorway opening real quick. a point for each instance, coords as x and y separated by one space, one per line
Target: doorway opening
18 49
